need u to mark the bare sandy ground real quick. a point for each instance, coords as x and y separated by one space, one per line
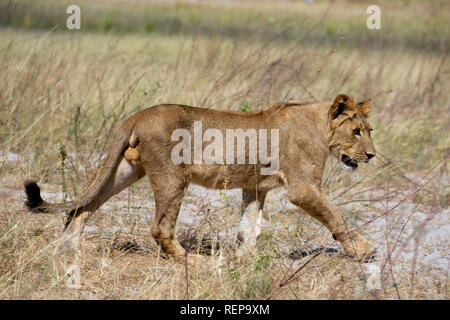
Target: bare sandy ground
412 239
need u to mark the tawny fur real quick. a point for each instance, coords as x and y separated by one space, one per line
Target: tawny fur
308 134
132 155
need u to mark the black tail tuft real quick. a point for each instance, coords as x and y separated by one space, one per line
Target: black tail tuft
33 193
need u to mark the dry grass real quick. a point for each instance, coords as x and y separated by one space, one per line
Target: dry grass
63 94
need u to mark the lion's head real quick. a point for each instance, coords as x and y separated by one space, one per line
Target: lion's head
350 139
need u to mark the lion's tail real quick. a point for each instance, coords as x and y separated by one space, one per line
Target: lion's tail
35 203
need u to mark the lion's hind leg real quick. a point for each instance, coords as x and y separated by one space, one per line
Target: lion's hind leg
169 191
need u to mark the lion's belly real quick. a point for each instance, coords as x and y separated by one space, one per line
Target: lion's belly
232 176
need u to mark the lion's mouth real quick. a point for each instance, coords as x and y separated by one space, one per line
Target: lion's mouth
349 162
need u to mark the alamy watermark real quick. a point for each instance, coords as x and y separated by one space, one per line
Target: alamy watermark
74 19
374 277
190 149
73 277
374 20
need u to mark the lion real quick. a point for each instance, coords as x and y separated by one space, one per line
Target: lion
308 134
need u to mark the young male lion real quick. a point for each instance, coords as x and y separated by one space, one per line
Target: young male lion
307 134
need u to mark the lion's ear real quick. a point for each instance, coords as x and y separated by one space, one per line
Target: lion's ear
365 107
342 104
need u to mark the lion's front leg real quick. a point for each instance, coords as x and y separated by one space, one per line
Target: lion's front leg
251 221
314 201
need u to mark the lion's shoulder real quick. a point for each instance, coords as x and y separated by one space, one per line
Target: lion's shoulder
281 105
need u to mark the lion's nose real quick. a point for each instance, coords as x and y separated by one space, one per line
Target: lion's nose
370 155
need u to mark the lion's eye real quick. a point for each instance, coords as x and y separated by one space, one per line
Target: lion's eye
357 132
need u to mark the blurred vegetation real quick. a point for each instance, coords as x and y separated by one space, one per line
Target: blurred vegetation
413 24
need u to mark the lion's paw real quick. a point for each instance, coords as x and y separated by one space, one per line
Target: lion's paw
359 248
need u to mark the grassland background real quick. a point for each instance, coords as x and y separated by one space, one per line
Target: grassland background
64 93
